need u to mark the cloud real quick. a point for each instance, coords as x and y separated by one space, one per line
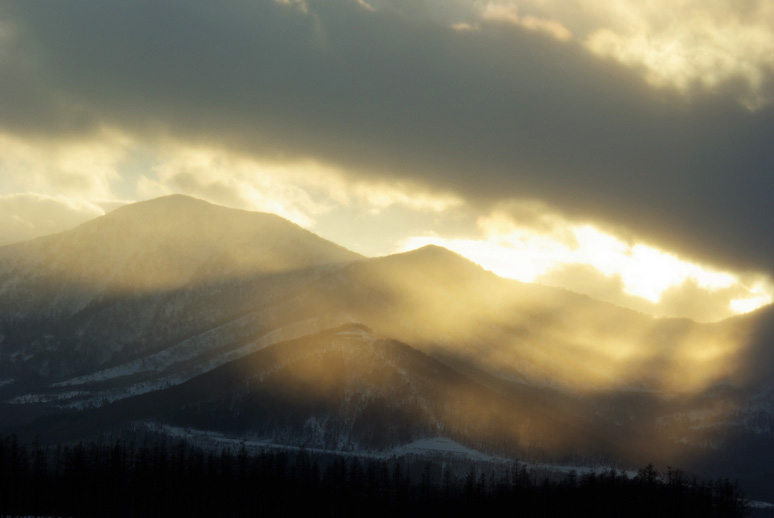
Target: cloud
526 241
385 97
81 168
230 181
29 215
299 191
687 45
687 299
509 13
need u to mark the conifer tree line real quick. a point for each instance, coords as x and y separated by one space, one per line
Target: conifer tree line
160 477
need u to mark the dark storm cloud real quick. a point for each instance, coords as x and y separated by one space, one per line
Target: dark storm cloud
492 114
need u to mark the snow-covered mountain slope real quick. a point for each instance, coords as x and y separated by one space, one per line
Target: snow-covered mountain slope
161 291
160 245
221 320
144 278
347 389
344 389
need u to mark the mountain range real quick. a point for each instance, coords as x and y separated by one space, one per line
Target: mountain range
189 315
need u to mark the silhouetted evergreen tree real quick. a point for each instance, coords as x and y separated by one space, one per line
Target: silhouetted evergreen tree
172 479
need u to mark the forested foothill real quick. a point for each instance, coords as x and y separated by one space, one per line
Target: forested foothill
156 476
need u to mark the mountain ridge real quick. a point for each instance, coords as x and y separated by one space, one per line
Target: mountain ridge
431 297
77 331
373 387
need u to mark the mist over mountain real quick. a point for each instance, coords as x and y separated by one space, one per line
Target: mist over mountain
185 314
162 244
144 277
346 389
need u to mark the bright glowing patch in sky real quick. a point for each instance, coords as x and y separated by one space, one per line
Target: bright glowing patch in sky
524 254
645 271
753 303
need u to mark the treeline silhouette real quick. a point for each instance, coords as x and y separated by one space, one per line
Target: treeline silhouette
158 477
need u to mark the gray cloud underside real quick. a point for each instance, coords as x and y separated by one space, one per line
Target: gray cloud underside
491 114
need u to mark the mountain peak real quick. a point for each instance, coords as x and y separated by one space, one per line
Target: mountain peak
180 220
163 244
432 249
437 254
174 204
175 198
178 196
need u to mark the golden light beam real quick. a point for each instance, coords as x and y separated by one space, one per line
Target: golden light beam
524 252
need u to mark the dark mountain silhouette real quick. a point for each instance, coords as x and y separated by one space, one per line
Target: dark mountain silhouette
345 389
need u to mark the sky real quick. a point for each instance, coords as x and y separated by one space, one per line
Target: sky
617 148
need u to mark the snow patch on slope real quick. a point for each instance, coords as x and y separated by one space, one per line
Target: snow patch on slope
440 448
166 370
440 445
